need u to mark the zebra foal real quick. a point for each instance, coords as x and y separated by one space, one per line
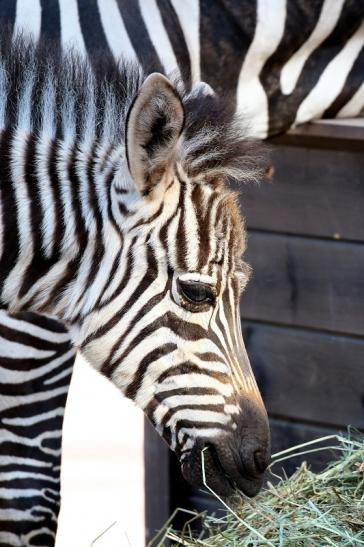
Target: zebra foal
115 220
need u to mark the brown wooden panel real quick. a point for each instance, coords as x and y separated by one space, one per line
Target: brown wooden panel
335 136
313 192
157 481
305 282
308 376
286 434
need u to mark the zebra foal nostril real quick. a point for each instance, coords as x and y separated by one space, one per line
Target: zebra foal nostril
254 460
261 460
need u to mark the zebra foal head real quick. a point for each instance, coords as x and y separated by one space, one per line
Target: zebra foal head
176 347
126 232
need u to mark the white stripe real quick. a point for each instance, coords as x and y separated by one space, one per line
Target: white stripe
9 349
31 420
193 380
47 203
291 71
115 31
331 80
20 516
28 16
251 98
32 329
207 416
8 401
158 34
355 106
191 231
4 85
188 13
14 493
71 34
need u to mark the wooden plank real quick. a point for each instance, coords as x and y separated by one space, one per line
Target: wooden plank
157 485
286 434
330 136
313 192
305 282
308 376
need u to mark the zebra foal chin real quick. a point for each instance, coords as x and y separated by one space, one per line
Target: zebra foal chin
115 220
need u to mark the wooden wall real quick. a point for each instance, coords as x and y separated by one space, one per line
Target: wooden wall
303 311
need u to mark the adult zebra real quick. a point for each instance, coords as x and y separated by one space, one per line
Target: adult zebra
275 75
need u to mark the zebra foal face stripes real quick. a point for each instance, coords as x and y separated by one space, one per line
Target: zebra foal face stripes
124 230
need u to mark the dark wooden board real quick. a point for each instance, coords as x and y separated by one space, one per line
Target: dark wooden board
286 434
157 481
313 192
334 136
305 282
308 376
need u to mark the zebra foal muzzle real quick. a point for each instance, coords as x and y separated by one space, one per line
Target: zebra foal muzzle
233 460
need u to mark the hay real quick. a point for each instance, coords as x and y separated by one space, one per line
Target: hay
308 509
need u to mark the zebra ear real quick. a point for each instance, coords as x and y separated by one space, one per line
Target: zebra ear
153 127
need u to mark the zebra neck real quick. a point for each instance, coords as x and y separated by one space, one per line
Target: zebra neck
54 209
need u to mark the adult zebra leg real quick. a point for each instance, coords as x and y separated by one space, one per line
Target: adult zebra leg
36 360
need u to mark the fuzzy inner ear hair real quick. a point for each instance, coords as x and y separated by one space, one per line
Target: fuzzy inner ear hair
153 126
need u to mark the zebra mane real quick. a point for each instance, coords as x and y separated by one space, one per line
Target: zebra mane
63 95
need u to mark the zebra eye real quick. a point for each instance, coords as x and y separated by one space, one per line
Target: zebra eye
196 293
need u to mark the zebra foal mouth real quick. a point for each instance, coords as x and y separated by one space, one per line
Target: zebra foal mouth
219 466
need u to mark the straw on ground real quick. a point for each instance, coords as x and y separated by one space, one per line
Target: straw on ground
308 509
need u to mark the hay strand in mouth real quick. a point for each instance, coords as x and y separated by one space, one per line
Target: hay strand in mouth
306 510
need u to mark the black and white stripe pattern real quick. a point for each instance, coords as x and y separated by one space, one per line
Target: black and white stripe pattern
283 62
294 80
35 370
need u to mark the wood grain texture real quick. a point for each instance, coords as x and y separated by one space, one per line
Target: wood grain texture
308 376
304 282
318 193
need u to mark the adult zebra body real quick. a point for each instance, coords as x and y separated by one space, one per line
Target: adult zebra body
275 75
282 62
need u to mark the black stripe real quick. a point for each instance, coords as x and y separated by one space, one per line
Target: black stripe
152 356
185 330
187 367
202 406
226 32
26 339
7 13
41 321
139 37
175 34
59 220
91 27
50 27
10 230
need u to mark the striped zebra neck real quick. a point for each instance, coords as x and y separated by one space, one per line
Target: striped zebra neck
116 220
60 191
